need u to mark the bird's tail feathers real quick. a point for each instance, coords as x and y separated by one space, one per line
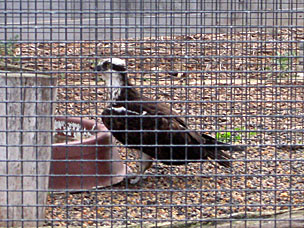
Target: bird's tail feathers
216 150
220 157
222 146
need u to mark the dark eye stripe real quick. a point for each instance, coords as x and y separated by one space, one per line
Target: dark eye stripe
104 67
118 68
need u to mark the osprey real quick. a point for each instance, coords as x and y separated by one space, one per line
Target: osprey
151 127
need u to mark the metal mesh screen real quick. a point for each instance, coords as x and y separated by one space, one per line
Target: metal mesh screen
209 92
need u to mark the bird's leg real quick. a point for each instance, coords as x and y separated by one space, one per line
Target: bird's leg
143 164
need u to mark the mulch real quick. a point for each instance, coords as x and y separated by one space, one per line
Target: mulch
242 87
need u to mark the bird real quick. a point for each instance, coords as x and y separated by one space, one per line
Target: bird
152 128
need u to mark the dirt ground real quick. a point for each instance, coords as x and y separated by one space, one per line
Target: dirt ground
242 88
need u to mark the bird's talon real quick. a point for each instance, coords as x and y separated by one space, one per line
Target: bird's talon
135 180
132 178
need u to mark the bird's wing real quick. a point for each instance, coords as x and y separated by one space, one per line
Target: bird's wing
143 116
179 123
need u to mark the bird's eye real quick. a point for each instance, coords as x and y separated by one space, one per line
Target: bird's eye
106 66
98 68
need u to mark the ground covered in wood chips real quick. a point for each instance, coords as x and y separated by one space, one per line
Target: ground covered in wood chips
242 88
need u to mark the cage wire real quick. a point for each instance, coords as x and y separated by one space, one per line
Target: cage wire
73 146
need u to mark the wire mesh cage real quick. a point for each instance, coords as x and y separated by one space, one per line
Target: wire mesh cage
151 113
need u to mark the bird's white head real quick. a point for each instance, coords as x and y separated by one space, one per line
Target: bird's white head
112 70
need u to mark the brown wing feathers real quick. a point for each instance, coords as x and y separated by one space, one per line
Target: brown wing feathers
150 124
